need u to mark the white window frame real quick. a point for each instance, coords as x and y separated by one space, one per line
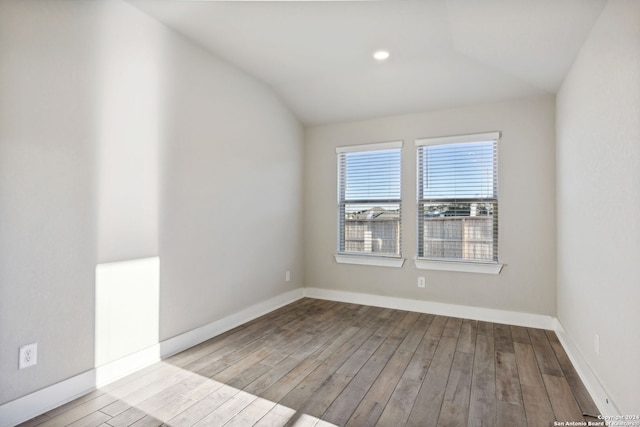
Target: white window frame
488 267
382 260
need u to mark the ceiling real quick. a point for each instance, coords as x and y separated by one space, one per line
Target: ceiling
317 56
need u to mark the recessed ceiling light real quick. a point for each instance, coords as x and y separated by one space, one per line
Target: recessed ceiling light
381 55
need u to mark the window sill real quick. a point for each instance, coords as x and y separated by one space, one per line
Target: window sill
369 260
467 267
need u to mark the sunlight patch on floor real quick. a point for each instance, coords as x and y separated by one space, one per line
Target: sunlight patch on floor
179 397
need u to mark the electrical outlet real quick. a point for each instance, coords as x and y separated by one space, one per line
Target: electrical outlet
421 282
596 344
28 355
287 276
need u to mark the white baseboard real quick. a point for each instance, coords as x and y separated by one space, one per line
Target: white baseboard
589 379
188 339
41 401
120 368
463 311
591 382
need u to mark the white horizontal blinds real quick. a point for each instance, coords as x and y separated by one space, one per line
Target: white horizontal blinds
369 199
458 198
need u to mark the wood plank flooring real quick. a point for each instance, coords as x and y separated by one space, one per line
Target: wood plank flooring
323 363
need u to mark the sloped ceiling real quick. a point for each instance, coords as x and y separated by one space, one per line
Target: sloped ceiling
444 53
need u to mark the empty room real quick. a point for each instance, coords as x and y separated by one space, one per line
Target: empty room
319 213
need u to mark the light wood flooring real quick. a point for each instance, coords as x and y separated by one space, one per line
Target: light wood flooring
322 363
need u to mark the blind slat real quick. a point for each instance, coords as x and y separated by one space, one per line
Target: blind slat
458 200
369 201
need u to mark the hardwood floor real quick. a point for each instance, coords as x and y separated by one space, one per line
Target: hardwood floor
322 363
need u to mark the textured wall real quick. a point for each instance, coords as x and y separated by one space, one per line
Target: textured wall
48 117
598 201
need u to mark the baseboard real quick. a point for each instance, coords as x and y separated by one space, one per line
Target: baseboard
188 339
594 387
120 368
463 311
41 401
589 379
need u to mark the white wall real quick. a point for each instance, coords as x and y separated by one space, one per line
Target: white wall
527 208
215 164
130 94
112 128
598 202
129 98
48 79
231 192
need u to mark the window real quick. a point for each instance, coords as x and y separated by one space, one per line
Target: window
458 198
369 201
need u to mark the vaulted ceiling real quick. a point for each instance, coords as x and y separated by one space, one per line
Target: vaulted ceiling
317 56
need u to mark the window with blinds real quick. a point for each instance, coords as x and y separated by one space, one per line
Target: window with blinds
458 198
369 201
